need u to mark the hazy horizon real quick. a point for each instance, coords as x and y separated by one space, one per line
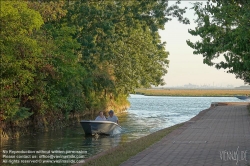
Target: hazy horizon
184 67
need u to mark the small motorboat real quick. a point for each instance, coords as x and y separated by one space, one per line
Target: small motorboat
243 97
92 127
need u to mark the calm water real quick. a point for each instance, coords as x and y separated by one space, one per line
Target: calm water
147 114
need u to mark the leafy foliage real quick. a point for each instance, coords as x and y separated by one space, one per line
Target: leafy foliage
62 57
19 56
225 31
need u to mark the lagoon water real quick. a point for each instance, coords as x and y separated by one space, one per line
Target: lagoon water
147 114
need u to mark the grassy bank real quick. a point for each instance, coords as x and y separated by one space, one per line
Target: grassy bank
123 152
193 92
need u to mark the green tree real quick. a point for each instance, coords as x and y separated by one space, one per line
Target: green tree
108 32
224 28
19 57
64 88
64 74
59 57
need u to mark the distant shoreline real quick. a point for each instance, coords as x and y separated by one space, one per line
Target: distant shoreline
193 92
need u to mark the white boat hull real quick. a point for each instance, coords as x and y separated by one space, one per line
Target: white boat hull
92 127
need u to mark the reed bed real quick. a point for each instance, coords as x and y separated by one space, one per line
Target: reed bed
193 92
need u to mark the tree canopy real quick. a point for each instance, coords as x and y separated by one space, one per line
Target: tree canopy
19 57
224 28
62 57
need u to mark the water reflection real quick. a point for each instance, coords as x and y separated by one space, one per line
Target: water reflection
97 144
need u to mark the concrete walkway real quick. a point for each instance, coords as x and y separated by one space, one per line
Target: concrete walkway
217 136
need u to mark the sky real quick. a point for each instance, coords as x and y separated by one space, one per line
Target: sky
185 67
